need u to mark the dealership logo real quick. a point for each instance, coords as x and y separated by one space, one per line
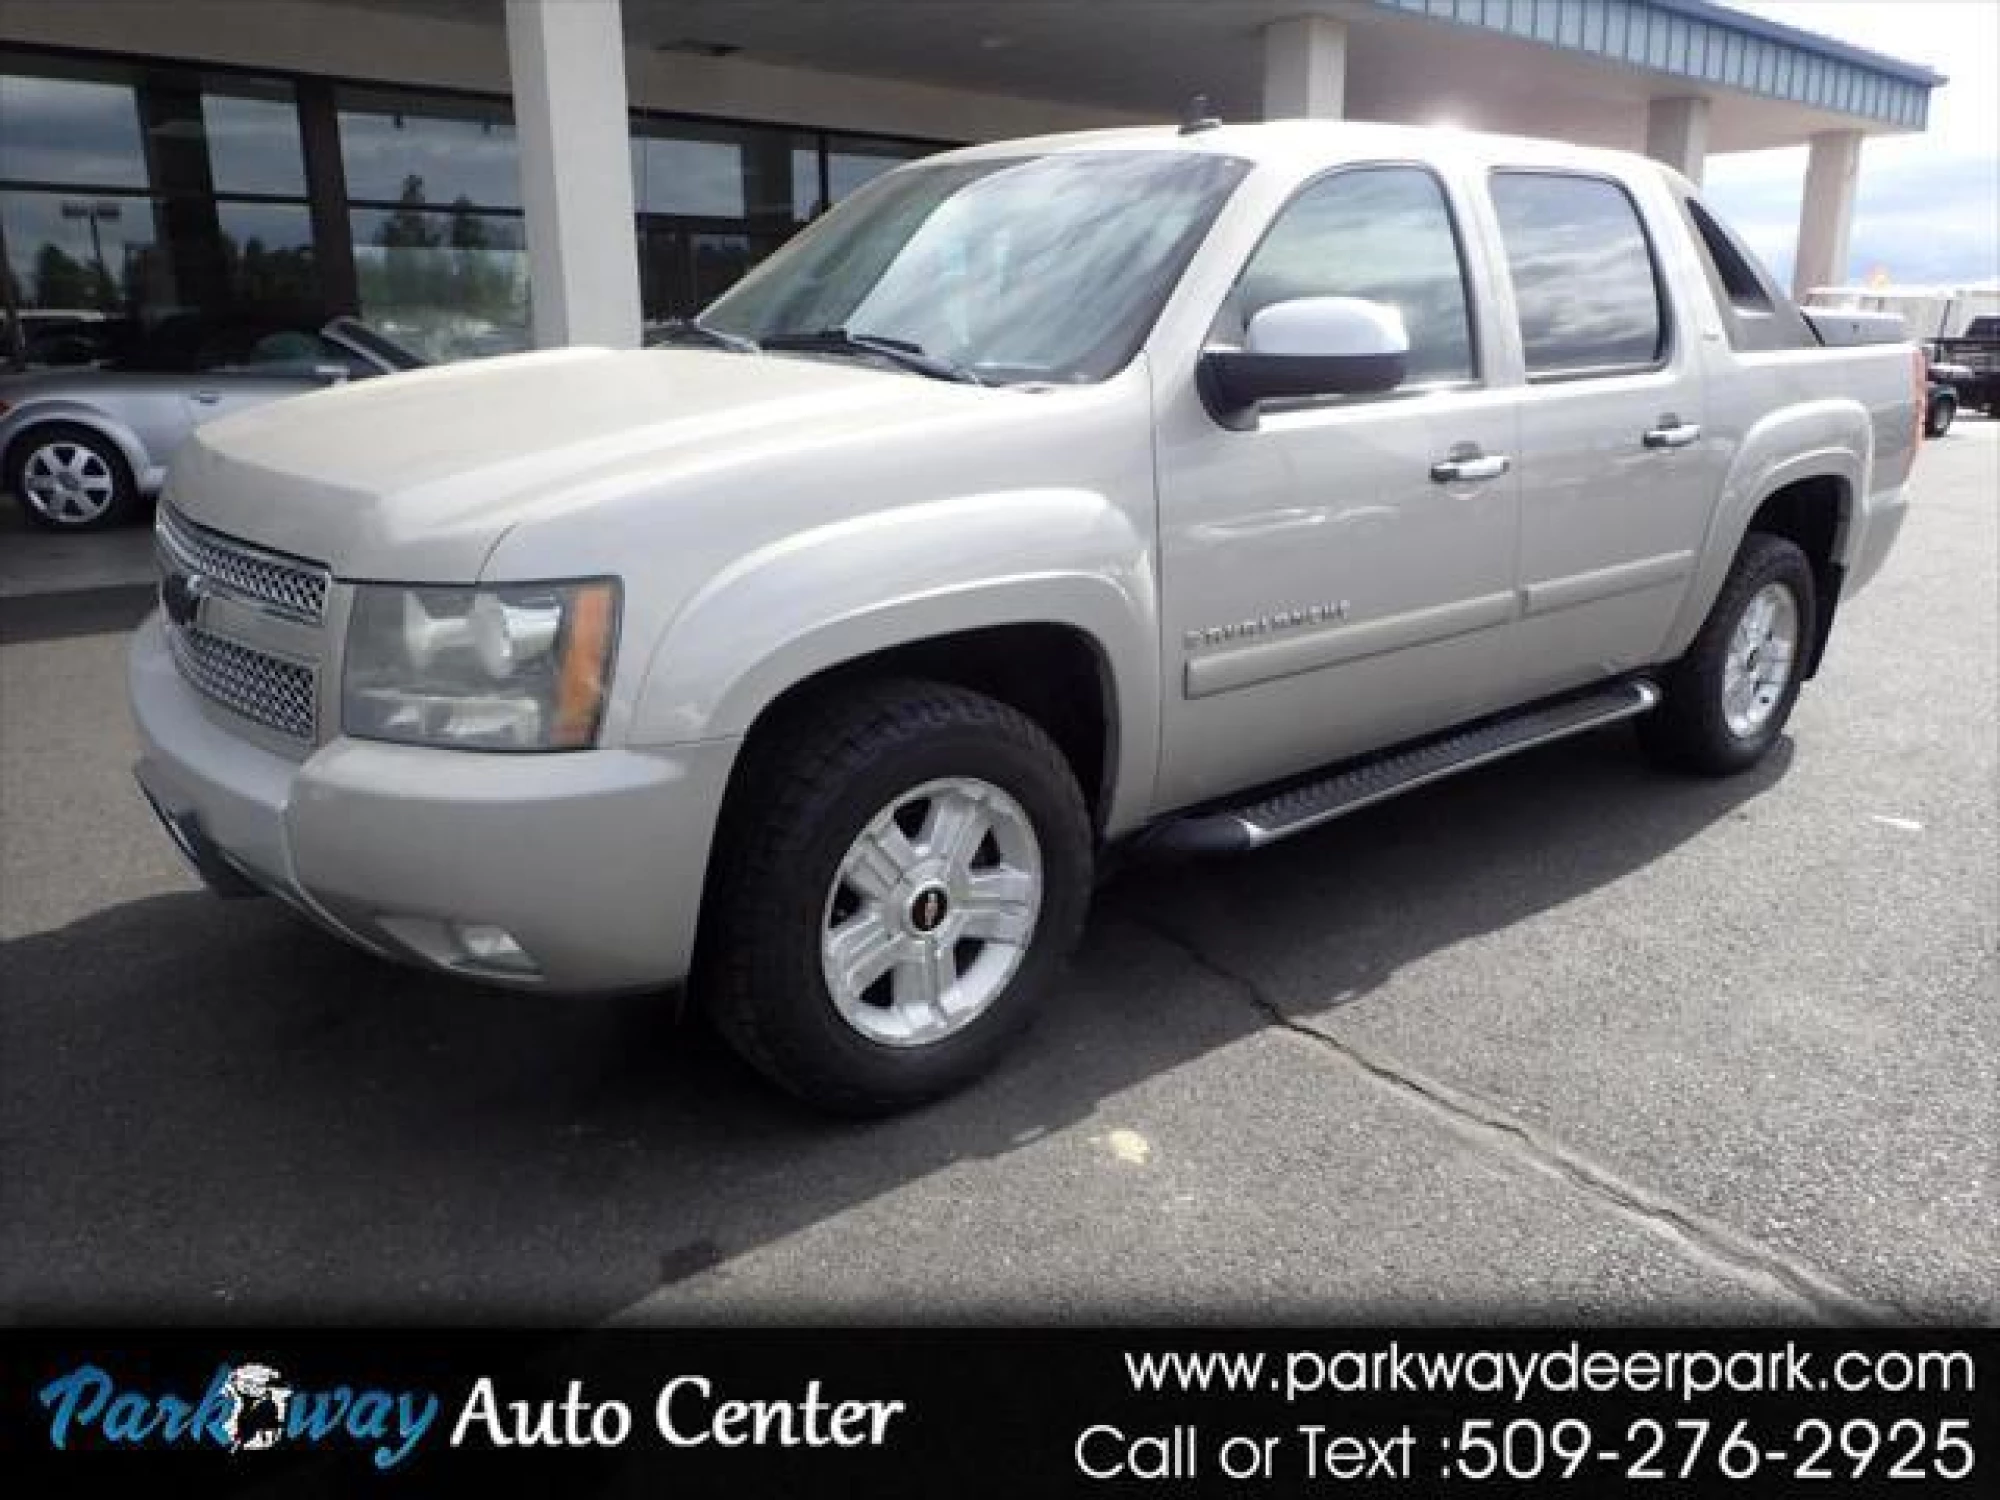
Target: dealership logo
258 1400
245 1408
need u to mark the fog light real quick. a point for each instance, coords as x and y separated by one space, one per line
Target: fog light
486 947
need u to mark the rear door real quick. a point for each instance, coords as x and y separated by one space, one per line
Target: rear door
1617 474
1340 574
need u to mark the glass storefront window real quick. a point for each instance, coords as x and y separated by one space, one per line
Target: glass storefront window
84 251
854 161
808 202
704 170
693 177
70 130
253 143
451 285
267 252
120 206
147 191
428 151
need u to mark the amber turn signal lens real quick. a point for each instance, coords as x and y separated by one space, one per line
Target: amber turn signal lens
585 672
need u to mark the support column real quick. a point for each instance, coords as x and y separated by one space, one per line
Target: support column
1677 134
1826 214
1305 69
567 62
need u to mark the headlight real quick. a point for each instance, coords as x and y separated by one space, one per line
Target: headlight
521 667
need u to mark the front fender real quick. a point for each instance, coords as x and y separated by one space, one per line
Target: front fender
1817 440
41 411
811 601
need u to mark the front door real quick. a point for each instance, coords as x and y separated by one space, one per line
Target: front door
1341 575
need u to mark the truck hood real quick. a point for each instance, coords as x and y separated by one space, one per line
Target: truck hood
417 477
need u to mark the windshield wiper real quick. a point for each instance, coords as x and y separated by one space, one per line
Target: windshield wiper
900 352
689 331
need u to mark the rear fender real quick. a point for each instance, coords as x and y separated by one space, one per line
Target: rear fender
1817 440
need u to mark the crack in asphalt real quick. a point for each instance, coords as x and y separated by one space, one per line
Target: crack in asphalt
1482 1121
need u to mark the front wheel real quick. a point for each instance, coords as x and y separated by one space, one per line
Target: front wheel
899 875
1727 700
1938 422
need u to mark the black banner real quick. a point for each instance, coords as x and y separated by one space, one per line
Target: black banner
1003 1412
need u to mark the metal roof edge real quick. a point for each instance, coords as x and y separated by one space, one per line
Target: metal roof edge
1793 36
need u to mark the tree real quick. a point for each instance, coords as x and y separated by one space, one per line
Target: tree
409 226
61 280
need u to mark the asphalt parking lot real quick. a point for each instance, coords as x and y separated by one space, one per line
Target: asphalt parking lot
1567 1038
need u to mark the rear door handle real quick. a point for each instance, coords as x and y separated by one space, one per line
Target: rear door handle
1672 434
207 398
1474 465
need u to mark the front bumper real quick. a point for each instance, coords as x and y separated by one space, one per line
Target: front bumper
591 861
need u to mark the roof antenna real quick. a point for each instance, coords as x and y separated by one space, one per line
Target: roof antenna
1197 118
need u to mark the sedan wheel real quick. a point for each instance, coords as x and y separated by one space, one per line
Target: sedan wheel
71 482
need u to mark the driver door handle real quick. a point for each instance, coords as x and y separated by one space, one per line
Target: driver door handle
1672 433
206 397
1467 462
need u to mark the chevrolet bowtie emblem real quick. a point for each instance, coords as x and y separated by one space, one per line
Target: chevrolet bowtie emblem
181 595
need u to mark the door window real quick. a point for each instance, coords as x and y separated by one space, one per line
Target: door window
1381 233
1584 282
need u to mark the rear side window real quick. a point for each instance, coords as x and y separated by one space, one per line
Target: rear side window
1383 233
1584 280
1754 313
1742 288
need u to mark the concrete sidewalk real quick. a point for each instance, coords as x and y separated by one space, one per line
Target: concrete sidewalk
34 562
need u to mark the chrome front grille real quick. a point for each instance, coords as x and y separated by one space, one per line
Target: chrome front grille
244 624
265 689
287 584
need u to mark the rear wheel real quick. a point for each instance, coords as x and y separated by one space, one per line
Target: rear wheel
900 874
70 479
1728 699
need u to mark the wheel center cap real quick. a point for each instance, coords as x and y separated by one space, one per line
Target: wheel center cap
928 909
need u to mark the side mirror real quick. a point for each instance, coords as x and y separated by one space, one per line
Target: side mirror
1309 346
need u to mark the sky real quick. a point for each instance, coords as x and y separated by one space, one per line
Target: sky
1928 206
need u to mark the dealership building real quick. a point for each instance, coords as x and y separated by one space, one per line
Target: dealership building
476 175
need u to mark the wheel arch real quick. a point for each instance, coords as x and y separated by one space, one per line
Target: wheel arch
935 592
1056 674
25 421
1800 475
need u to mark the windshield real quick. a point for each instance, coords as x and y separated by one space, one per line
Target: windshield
1047 268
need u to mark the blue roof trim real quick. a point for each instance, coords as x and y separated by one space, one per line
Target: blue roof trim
1712 44
1809 41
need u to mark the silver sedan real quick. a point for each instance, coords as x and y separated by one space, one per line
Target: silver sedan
82 448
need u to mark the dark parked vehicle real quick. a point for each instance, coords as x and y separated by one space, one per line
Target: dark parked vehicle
1941 397
1975 356
82 445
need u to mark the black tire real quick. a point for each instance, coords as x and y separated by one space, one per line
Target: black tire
1690 730
810 784
104 458
1937 421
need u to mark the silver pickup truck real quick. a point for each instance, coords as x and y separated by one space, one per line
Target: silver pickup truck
1184 487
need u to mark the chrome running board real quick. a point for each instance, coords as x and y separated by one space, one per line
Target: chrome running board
1308 804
